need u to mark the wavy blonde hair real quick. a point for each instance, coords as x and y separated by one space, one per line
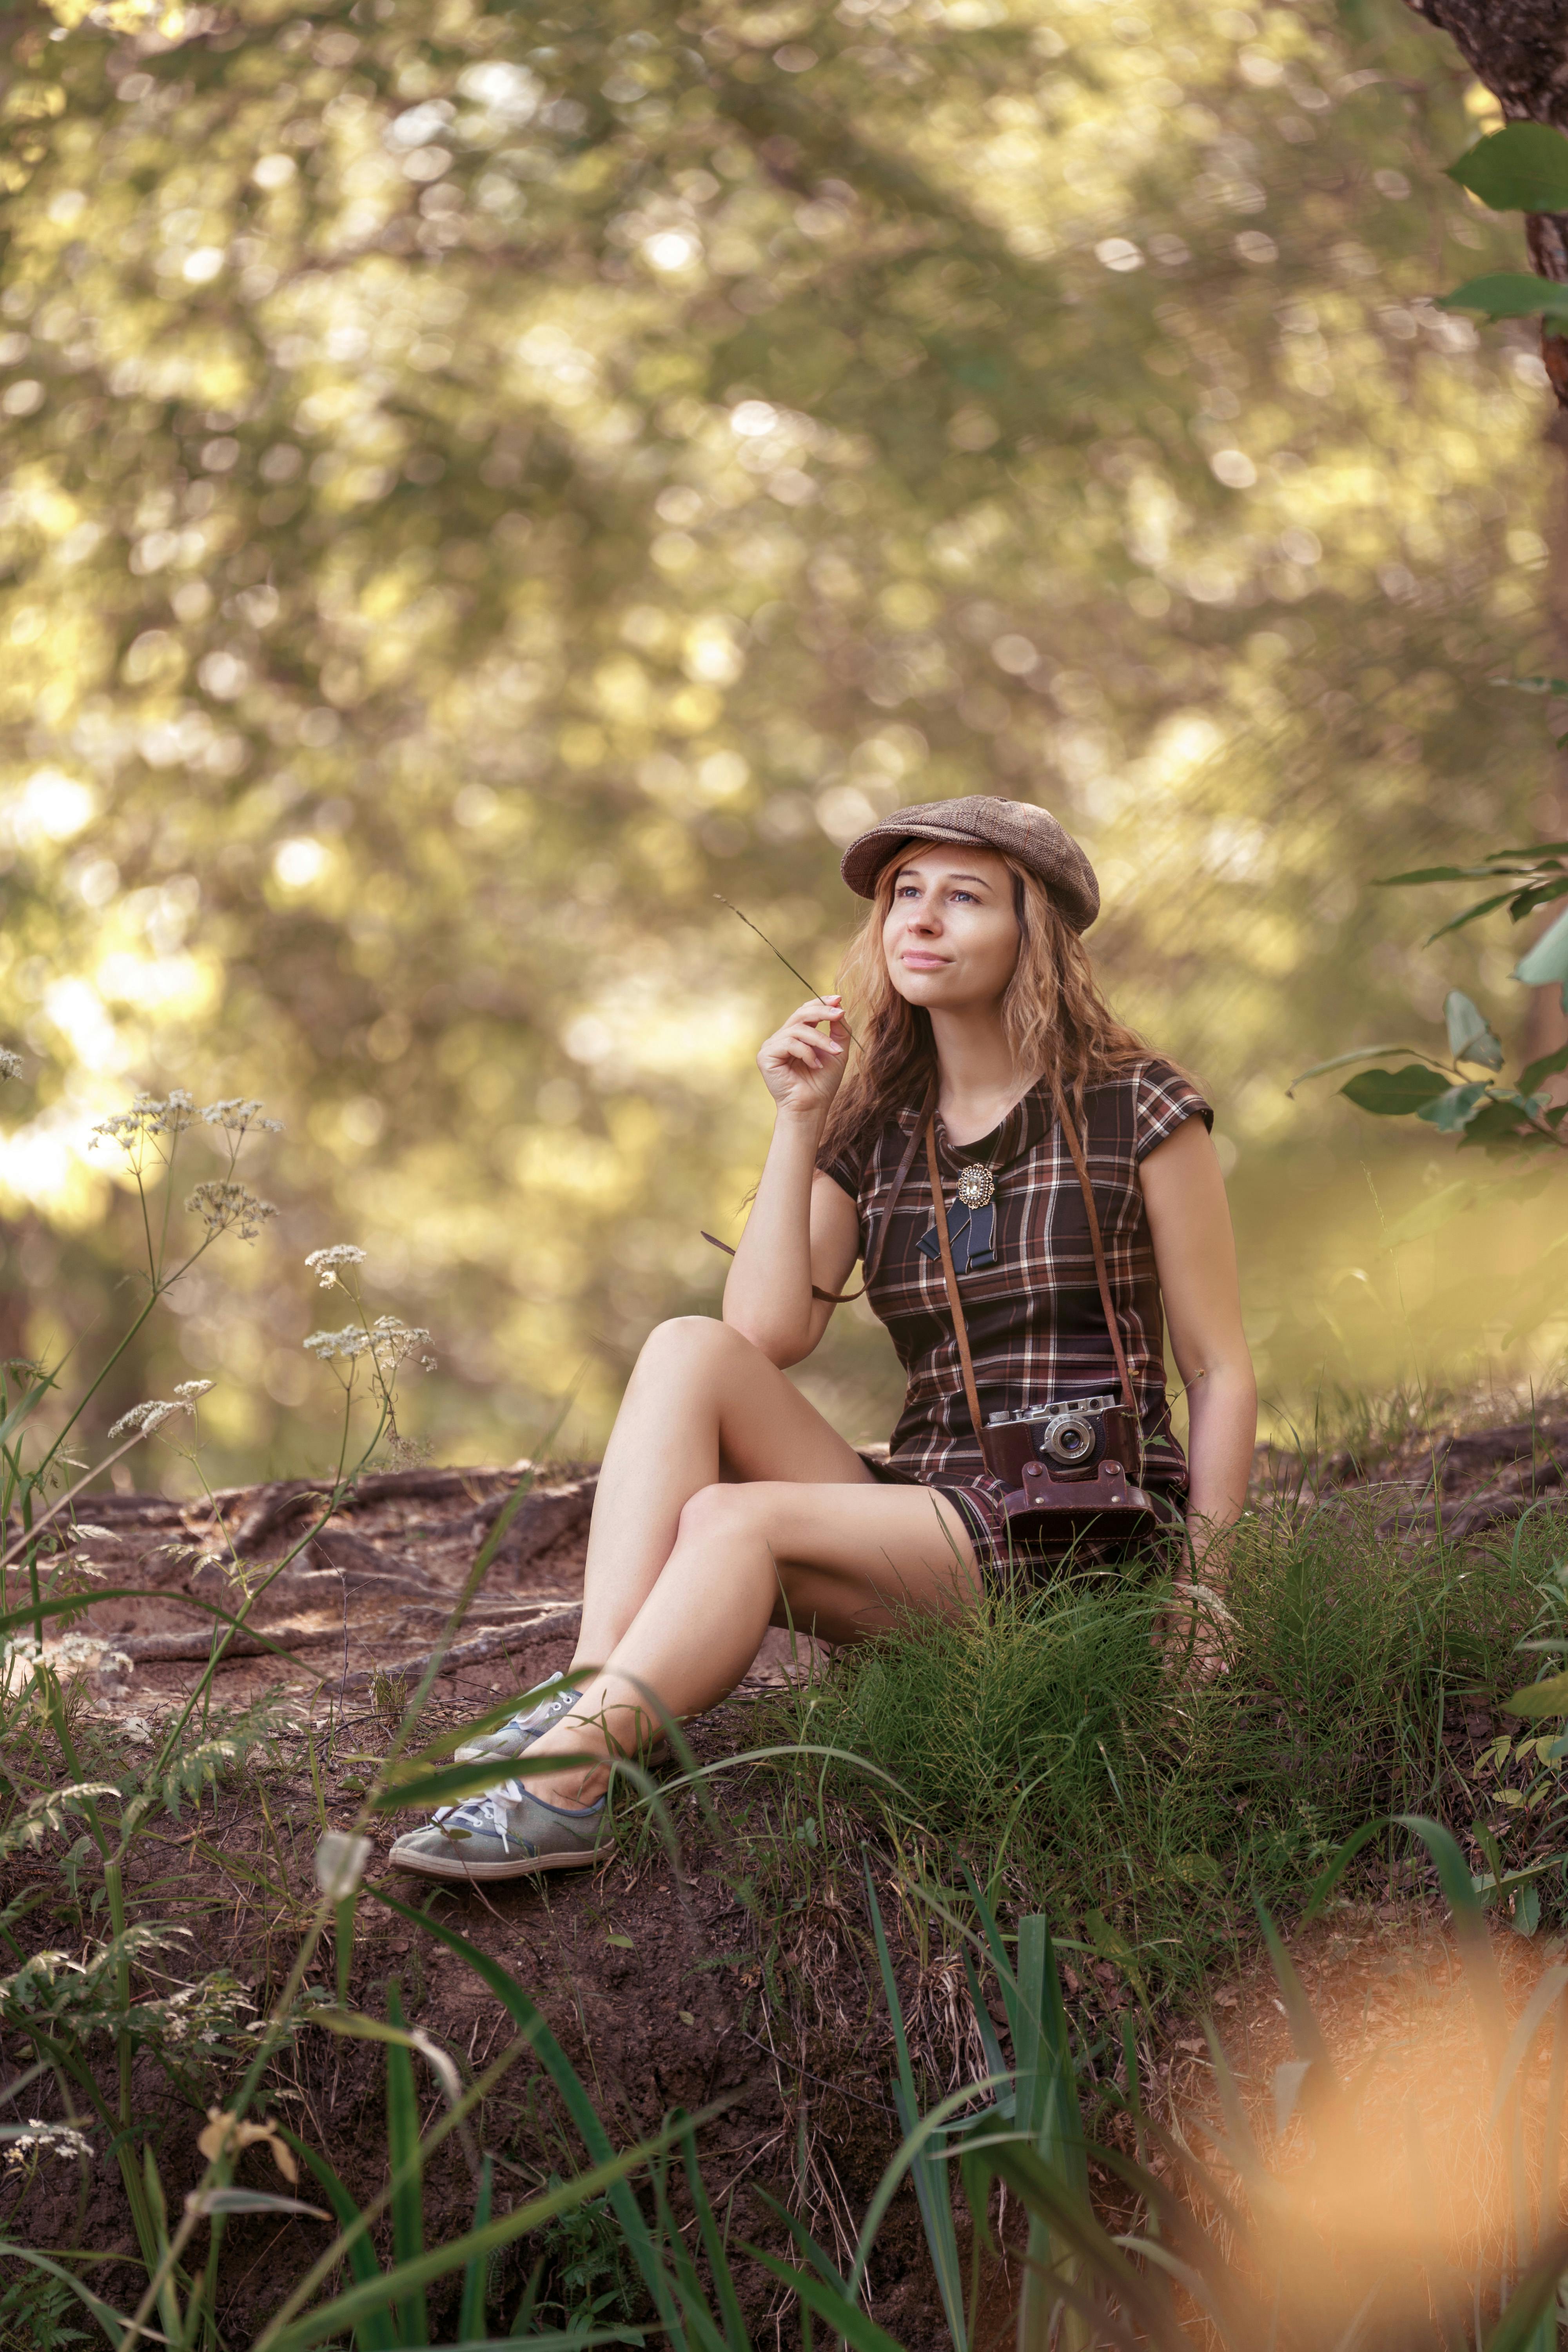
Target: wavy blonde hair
1057 1025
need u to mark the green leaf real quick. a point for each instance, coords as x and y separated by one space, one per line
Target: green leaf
1547 960
1508 294
1549 1064
1523 168
1450 1113
1342 1061
1471 1034
254 2200
1547 1697
1517 902
1394 1094
1496 1125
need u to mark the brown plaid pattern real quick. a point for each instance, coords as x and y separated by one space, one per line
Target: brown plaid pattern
1037 1329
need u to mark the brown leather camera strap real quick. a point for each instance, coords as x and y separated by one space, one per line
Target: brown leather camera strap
960 1329
1070 1136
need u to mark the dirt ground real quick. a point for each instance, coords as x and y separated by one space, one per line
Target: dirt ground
649 1972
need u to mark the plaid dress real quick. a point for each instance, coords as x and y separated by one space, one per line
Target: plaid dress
1036 1329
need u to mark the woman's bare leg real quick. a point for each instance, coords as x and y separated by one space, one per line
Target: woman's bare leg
840 1561
701 1402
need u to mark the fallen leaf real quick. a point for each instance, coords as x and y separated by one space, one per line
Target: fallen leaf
226 2135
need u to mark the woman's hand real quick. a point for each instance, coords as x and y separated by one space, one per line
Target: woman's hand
1194 1634
801 1067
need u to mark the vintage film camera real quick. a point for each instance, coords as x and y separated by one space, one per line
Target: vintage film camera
1076 1464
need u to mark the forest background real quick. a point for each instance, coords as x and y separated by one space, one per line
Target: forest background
481 482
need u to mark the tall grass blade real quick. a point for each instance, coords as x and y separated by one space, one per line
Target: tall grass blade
1048 2115
374 2332
687 2285
345 2310
113 2323
846 2318
932 2187
821 2262
526 2016
1541 2001
1530 2322
1305 2031
736 2336
471 2315
412 2316
1073 2228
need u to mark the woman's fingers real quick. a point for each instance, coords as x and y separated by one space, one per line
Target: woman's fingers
801 1024
802 1060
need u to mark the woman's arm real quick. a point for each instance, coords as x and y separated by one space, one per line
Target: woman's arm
1195 1252
802 1229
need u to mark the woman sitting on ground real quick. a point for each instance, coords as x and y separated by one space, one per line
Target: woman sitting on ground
726 1503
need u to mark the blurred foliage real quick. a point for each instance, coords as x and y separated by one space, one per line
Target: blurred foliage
480 481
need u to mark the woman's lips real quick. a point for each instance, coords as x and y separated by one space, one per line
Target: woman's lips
918 960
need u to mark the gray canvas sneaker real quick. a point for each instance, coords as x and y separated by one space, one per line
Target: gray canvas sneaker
519 1731
505 1833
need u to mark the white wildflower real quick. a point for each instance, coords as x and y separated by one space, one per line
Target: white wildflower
149 1114
202 2014
10 1063
327 1346
224 1205
392 1339
34 2138
192 1391
324 1262
341 1862
146 1417
238 1116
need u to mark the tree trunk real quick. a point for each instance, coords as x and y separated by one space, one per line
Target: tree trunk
1518 50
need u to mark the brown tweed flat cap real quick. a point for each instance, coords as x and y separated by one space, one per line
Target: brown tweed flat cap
1030 835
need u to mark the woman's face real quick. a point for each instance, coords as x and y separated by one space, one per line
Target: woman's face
950 937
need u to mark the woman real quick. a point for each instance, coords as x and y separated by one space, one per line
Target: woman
726 1503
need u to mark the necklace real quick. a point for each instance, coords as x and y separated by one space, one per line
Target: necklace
971 1233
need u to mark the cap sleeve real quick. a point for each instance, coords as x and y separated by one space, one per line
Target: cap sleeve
848 1167
1167 1098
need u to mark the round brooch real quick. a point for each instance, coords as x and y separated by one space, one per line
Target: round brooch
975 1187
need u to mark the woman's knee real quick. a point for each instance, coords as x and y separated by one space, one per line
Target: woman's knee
719 1510
691 1343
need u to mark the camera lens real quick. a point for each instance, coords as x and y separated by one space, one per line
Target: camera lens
1071 1440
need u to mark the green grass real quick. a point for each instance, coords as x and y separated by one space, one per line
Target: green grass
1041 1740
